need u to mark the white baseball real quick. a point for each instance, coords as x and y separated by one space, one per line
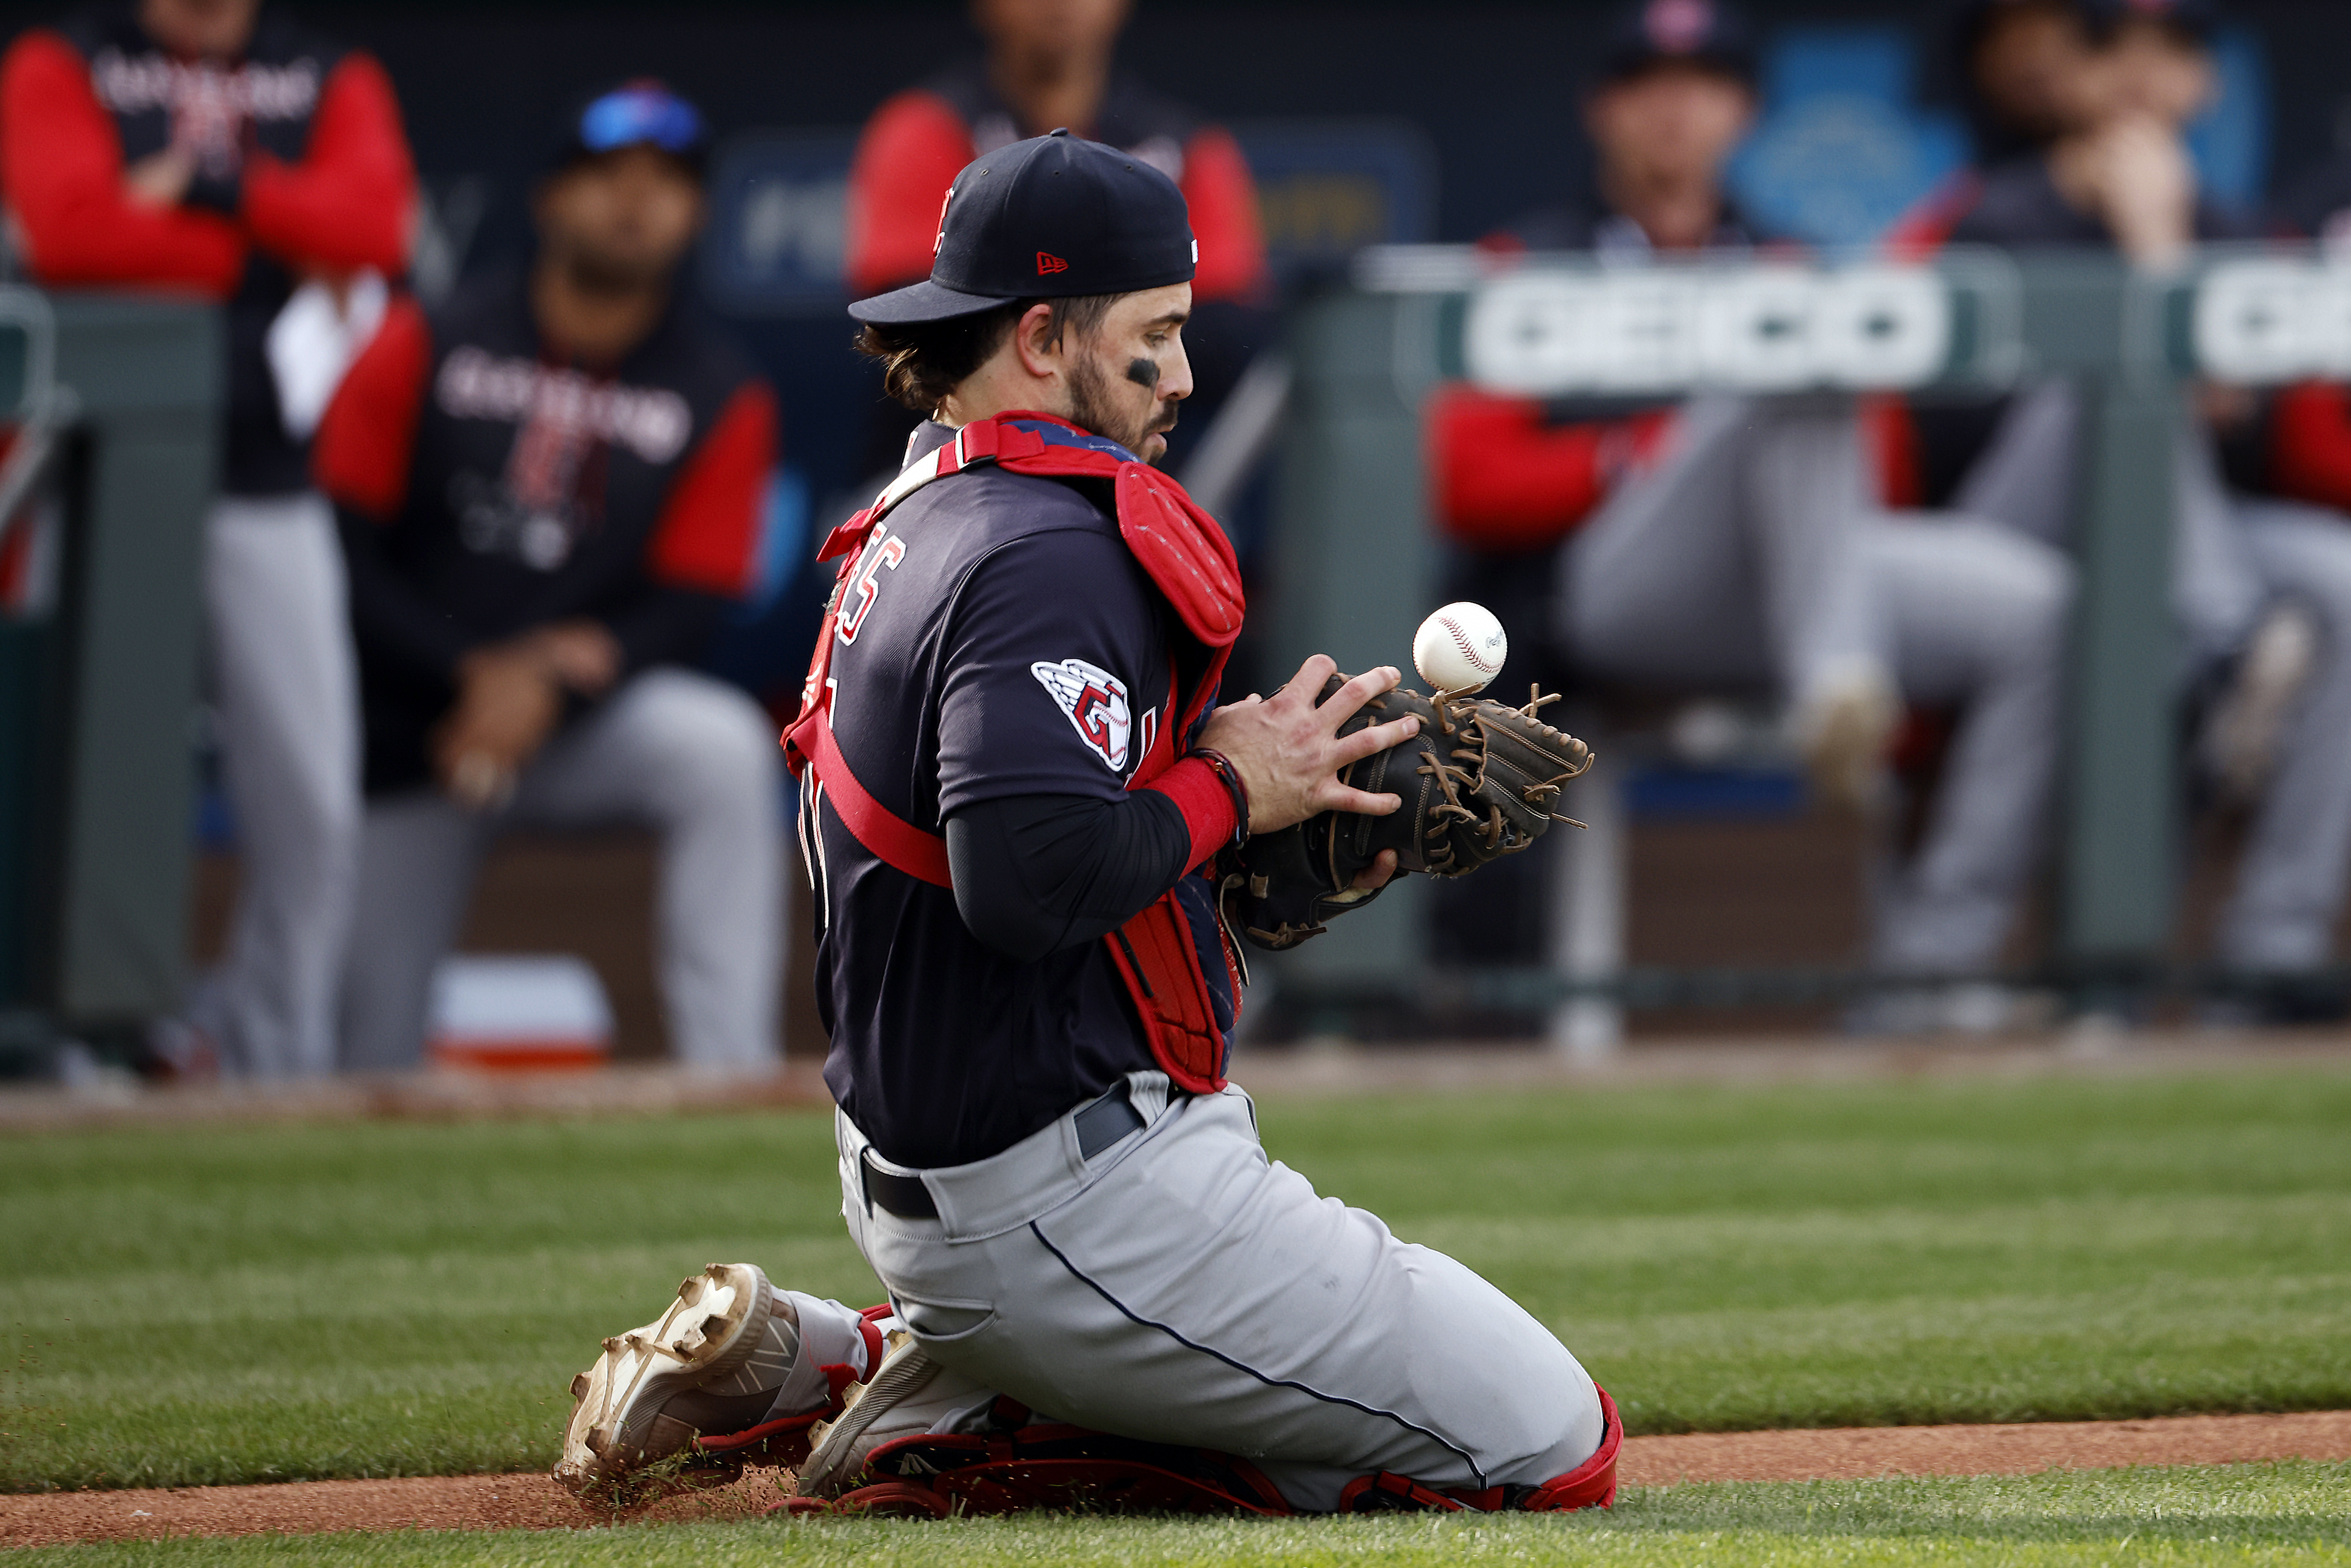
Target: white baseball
1461 648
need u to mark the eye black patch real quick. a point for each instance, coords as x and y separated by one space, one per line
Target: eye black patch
1143 372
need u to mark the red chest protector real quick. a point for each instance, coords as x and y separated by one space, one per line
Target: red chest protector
1187 557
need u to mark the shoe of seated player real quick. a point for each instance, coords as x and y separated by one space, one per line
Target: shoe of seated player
910 1395
1843 725
733 1368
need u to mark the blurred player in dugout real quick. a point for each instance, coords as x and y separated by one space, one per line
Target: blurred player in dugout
2087 103
1049 64
214 147
1729 543
550 489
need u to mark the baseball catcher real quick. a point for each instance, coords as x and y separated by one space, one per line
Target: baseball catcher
1033 829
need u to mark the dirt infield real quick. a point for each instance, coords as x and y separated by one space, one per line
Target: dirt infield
1331 1068
534 1502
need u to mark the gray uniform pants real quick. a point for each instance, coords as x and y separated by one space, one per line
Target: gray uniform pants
1731 561
283 686
1751 557
692 757
2231 556
1181 1288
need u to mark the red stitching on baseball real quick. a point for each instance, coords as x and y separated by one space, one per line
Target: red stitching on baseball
1462 638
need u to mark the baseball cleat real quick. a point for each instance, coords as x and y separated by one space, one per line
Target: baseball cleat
716 1323
1845 729
910 1394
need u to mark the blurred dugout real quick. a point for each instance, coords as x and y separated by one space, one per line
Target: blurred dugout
218 148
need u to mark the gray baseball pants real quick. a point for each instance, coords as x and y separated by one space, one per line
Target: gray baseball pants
691 756
1181 1288
1752 557
283 683
2232 554
2282 912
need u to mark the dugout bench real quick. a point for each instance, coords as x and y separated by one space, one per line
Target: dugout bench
1353 512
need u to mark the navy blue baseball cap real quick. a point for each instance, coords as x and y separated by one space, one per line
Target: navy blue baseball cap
2197 20
1653 32
1045 219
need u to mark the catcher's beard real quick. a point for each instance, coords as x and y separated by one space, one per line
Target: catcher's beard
1094 406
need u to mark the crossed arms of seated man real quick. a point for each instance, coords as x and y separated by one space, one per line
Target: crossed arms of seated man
1035 874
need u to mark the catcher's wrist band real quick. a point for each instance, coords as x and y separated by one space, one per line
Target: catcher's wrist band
1230 777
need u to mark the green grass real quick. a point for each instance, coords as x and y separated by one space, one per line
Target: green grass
2238 1514
386 1299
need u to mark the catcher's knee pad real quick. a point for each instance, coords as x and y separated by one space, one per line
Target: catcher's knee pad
1592 1484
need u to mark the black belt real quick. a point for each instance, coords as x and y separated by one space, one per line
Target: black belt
1100 1125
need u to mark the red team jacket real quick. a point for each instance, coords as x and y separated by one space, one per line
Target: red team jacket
1512 475
918 141
302 167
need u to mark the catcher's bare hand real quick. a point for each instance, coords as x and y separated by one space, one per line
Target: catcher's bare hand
1288 750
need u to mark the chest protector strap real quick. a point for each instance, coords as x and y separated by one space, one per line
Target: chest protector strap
1188 559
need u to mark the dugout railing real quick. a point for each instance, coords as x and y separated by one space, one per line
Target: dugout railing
109 411
1356 558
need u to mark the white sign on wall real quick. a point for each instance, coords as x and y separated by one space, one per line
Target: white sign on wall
2273 319
1768 328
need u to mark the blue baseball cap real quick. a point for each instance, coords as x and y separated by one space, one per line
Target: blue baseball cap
1045 219
640 113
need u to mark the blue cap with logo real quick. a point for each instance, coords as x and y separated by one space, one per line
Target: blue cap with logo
1045 219
640 113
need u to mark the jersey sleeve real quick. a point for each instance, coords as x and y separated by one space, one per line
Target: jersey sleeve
2310 443
1889 438
910 153
1507 478
350 200
61 166
1047 666
1222 195
361 457
707 535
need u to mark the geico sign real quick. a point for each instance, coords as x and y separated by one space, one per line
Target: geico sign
2277 320
1763 328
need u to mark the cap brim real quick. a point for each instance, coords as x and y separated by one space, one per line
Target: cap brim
924 301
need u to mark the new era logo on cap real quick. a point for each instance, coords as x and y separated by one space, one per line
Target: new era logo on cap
1046 218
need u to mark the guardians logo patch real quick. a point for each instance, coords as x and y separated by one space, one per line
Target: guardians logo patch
1095 701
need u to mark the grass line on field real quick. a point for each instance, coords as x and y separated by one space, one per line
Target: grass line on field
2288 1514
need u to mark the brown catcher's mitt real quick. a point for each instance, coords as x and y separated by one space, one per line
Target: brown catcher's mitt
1479 781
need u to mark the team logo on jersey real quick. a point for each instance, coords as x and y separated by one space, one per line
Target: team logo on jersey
1095 701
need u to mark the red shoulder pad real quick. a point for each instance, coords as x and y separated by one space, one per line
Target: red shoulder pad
1180 546
1183 550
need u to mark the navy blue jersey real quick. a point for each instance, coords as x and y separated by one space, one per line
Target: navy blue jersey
2019 206
995 638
